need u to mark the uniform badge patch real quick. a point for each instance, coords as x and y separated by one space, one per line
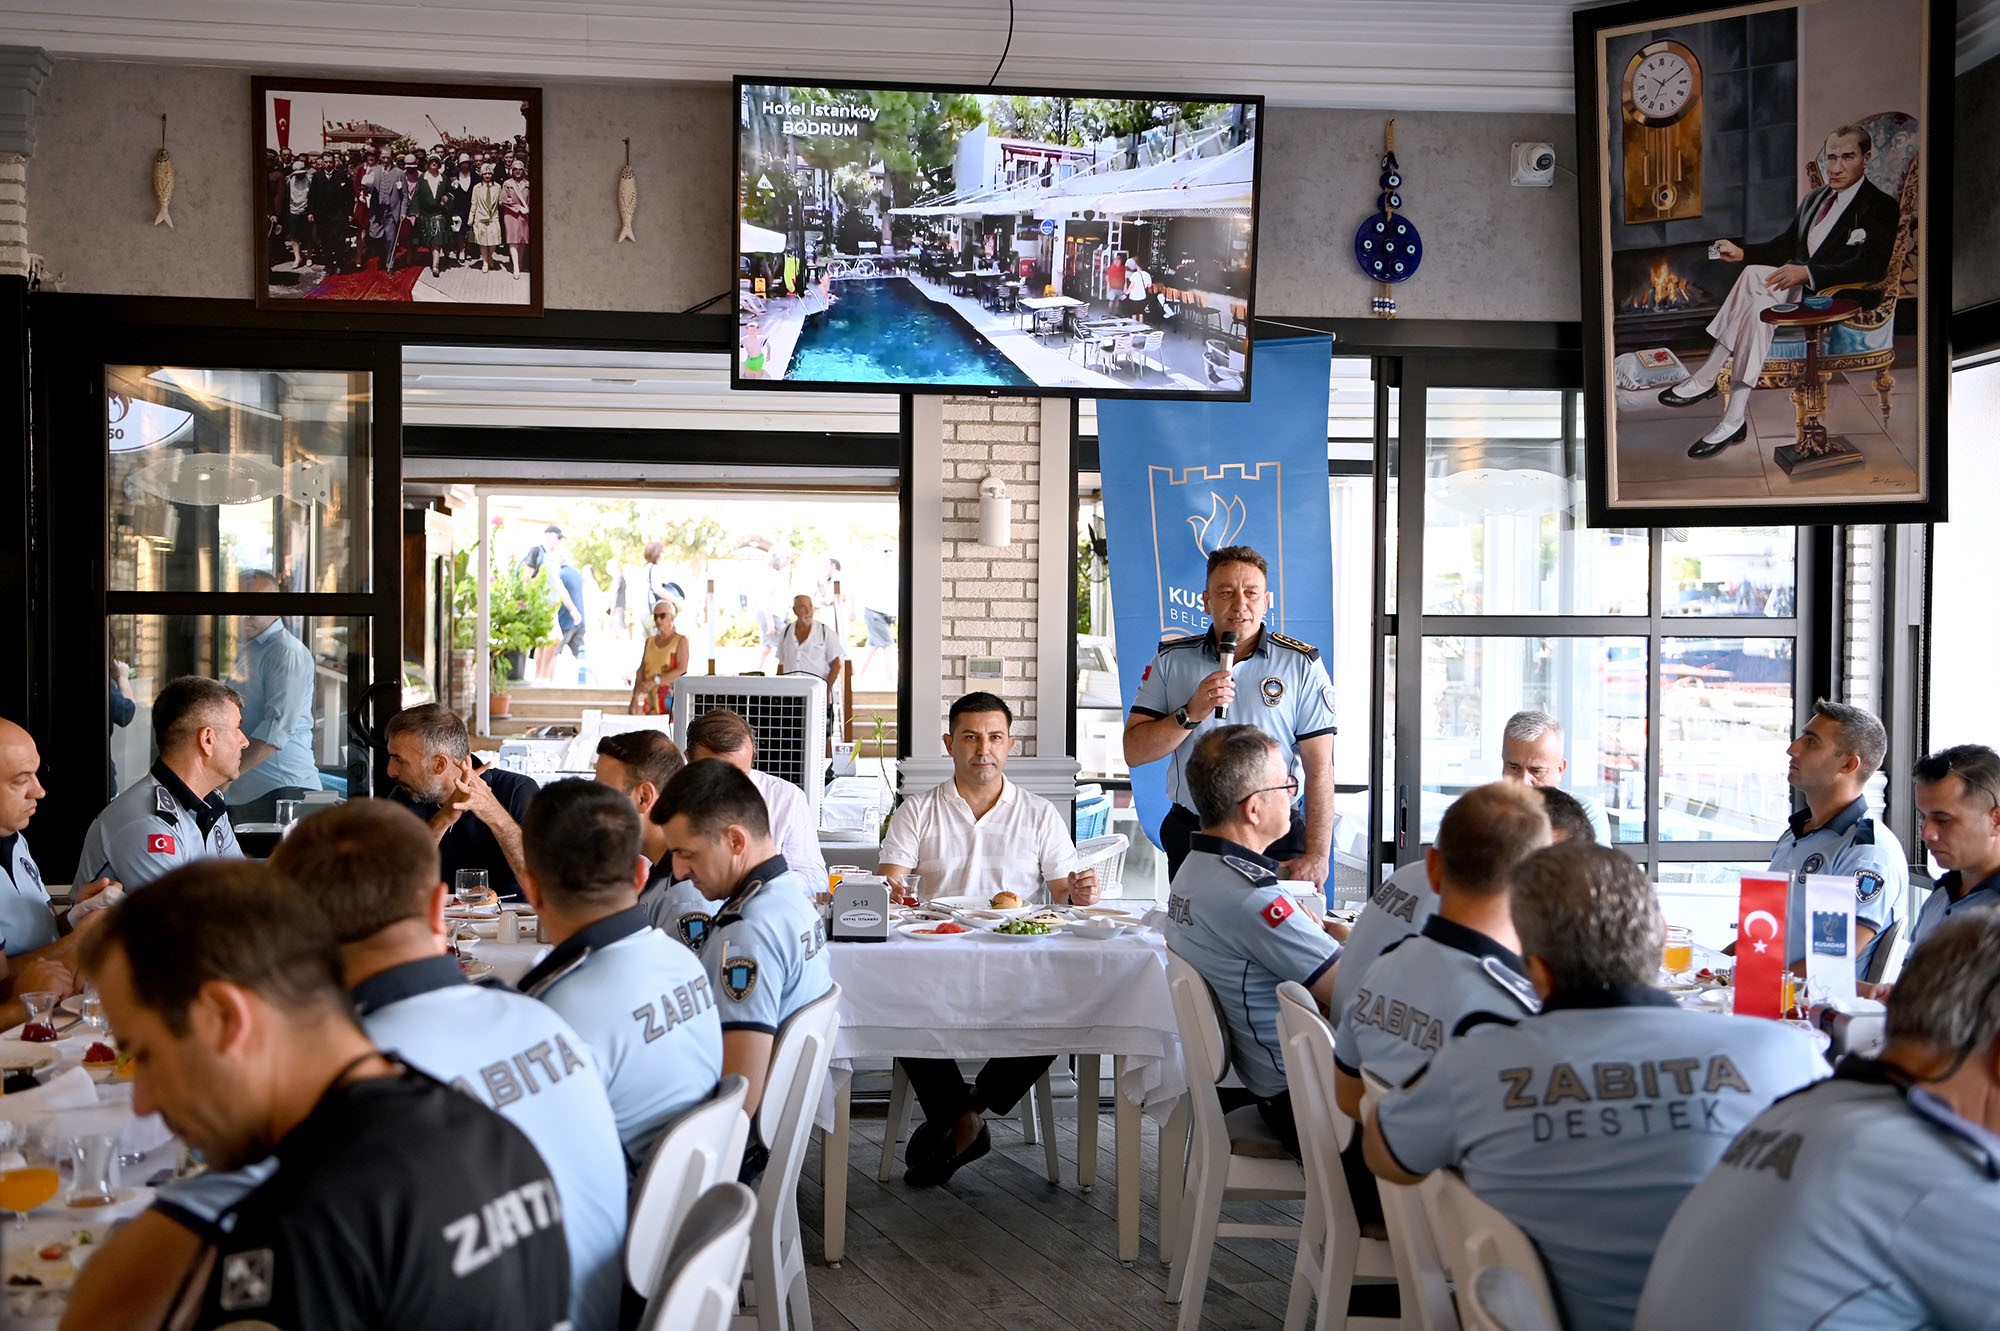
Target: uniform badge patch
1867 886
1276 911
1814 863
216 836
1274 689
739 977
246 1280
693 928
159 843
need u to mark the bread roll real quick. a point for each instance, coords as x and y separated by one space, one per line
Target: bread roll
1006 901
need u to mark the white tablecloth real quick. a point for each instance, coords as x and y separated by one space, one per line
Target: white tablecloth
979 997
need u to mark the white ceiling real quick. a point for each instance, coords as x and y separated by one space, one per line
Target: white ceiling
1473 55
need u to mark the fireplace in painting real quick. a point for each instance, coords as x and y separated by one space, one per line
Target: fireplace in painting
1664 296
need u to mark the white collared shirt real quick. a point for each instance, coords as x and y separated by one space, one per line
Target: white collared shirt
793 828
814 656
1018 846
1816 231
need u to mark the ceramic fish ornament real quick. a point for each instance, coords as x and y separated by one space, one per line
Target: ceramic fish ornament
628 197
163 179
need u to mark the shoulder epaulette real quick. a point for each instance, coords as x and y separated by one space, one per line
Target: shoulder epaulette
1864 833
1512 981
1311 652
1474 1020
1168 644
1393 946
1256 874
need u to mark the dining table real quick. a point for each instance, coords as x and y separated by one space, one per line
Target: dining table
982 995
1040 307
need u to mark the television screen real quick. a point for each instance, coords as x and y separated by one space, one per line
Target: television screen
1008 240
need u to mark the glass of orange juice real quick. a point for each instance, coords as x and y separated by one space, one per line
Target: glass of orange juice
22 1190
1678 955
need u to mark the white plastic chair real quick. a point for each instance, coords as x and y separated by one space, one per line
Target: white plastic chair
1106 854
1423 1281
1232 1158
1037 1112
699 1149
784 1122
1498 1299
705 1267
1483 1237
1332 1252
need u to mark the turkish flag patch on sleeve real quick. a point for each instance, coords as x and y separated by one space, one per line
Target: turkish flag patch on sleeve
1146 674
159 843
1277 911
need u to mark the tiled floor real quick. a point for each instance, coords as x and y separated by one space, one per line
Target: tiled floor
1653 465
1001 1249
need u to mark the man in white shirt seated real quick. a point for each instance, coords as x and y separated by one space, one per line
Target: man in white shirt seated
724 734
1531 751
976 835
810 646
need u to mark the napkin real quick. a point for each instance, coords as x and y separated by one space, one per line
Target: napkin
71 1090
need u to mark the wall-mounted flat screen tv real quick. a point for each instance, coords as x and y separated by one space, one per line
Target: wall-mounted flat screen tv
1002 240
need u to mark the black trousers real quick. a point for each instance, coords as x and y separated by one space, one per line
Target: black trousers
1182 822
942 1091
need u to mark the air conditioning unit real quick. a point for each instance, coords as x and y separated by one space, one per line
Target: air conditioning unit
787 713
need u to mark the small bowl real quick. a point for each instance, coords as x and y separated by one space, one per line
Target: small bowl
1817 302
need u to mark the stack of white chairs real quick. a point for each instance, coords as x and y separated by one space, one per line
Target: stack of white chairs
777 1299
698 1150
1231 1158
1332 1252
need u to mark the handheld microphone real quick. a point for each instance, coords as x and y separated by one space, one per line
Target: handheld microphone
1226 649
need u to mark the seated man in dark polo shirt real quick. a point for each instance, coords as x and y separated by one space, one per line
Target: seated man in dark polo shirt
474 812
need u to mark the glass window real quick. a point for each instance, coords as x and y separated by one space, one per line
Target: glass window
1596 686
1963 630
1725 722
215 474
294 674
1731 571
1503 515
1703 896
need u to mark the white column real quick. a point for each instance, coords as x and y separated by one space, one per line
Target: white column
925 630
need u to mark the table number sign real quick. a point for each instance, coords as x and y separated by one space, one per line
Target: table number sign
1760 945
1830 936
860 910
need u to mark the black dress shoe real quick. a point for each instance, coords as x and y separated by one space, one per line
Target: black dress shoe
980 1146
926 1155
1672 399
1702 448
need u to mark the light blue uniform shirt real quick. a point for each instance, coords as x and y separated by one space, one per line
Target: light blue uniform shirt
1850 844
519 1057
1939 907
1228 918
1586 1126
1282 688
274 677
766 952
26 922
678 910
155 825
1418 993
1397 911
643 1005
1852 1206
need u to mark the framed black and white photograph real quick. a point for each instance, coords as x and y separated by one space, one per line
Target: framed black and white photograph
1766 238
372 196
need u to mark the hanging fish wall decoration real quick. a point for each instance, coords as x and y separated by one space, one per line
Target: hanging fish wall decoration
163 179
628 197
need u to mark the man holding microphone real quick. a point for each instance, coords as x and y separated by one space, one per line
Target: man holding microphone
1285 692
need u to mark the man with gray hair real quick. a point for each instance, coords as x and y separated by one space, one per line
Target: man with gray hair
1831 761
474 812
1228 917
1587 1124
1531 750
1870 1199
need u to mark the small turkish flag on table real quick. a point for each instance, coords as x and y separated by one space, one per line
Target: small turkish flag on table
1760 945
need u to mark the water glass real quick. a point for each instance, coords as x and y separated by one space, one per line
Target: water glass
288 813
93 1170
471 886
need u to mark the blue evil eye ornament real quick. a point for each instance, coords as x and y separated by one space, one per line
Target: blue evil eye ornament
1388 247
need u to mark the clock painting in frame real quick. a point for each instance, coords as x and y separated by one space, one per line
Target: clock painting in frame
1765 297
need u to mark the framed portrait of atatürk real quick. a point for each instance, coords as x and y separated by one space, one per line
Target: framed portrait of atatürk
1766 212
385 196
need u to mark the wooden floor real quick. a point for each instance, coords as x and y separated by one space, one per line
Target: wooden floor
1001 1249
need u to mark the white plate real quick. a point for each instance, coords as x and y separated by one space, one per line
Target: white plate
979 905
490 911
1098 931
28 1055
1054 932
925 931
72 1005
474 968
1113 912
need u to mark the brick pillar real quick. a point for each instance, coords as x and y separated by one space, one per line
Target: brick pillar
22 69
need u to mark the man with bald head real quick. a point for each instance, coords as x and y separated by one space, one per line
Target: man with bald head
273 675
38 956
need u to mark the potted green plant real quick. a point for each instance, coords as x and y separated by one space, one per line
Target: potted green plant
520 617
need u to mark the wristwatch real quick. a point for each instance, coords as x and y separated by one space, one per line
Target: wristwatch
1187 722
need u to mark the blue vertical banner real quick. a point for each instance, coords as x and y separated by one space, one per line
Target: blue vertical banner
1184 478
